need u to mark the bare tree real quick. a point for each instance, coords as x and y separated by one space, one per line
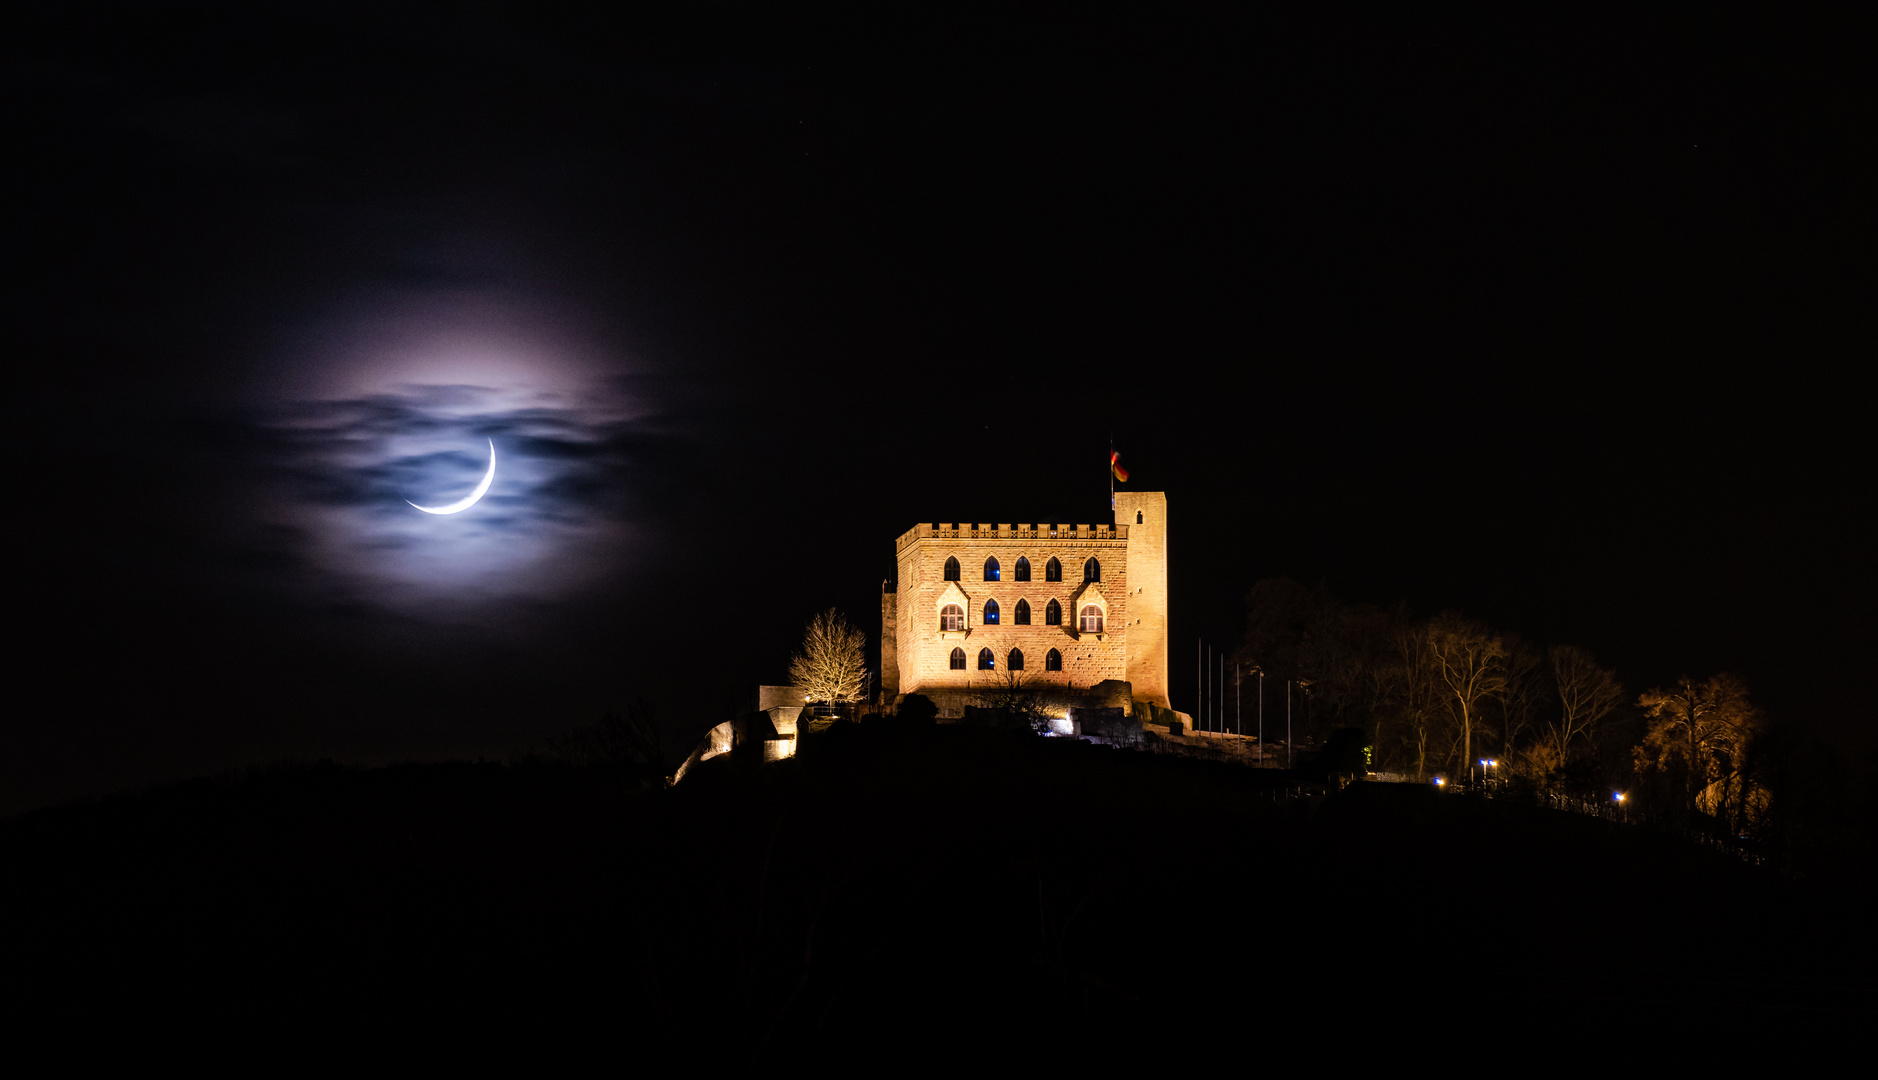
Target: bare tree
1587 694
831 666
1415 691
1035 703
1522 694
1471 662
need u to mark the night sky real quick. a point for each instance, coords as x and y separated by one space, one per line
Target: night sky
1558 323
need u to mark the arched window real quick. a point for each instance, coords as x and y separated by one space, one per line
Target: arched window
952 569
991 613
986 662
1021 572
1022 616
958 659
1052 661
952 617
1016 660
1053 614
1053 570
1137 517
1092 571
1091 619
991 569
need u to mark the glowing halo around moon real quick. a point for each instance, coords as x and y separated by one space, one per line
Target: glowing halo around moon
469 500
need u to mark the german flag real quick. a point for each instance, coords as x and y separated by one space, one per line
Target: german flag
1115 467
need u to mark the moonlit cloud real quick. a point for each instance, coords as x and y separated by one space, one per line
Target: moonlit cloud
551 526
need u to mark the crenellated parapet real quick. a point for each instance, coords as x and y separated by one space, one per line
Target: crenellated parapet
1059 533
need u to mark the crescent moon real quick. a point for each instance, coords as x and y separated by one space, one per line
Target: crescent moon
469 500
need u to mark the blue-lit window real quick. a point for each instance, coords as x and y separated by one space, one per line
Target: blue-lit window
991 569
1021 617
986 662
991 613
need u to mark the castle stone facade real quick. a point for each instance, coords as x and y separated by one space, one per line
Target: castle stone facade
1058 605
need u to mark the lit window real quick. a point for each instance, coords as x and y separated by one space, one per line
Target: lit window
952 569
991 569
1022 616
1092 571
1052 661
986 662
1092 620
958 659
1016 660
952 617
1021 572
1053 614
991 613
1053 570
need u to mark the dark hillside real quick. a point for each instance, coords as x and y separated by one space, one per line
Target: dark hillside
934 887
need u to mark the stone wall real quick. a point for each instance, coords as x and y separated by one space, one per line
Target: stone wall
923 650
889 642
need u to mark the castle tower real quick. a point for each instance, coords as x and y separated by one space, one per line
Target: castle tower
1144 514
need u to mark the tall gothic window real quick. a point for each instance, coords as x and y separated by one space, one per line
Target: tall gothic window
952 569
1091 619
986 662
1053 570
1052 661
1092 571
1016 660
991 569
952 617
1021 617
958 659
1021 572
1053 614
991 613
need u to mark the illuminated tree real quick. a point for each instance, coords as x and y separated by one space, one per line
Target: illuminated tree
1587 694
1701 731
831 666
1470 661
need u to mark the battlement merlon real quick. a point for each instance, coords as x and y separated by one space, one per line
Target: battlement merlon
1060 534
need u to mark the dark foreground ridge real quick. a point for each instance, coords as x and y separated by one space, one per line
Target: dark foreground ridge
918 889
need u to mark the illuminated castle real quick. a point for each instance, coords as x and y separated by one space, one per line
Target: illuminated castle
1062 605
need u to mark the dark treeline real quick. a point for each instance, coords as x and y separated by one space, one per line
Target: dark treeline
1434 698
